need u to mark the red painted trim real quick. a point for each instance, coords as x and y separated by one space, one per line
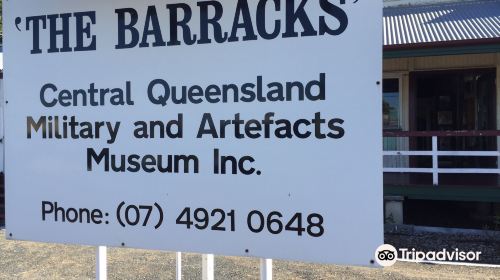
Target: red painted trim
441 133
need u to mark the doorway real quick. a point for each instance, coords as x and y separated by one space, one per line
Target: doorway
463 100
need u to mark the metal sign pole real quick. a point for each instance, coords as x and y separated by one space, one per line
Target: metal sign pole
208 267
266 269
178 266
101 269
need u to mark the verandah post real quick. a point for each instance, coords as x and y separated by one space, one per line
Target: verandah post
435 164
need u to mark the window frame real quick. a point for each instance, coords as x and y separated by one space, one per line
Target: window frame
399 77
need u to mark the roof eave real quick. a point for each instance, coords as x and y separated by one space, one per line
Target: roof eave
443 48
444 44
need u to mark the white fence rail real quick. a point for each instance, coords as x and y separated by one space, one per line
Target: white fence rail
435 153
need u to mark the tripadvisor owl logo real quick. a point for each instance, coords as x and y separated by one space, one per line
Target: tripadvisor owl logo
386 255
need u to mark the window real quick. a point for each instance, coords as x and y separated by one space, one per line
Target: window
391 104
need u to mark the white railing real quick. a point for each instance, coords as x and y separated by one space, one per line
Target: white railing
435 153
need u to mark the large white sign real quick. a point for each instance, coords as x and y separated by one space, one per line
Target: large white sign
248 128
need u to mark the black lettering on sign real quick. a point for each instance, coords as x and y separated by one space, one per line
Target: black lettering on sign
173 24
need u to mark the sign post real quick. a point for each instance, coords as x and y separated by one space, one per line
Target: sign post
178 266
243 128
266 269
208 267
101 269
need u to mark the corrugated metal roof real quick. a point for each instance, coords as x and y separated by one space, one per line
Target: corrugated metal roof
442 22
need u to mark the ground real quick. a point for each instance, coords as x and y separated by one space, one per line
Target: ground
27 260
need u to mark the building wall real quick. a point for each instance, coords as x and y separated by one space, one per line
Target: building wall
403 66
498 91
